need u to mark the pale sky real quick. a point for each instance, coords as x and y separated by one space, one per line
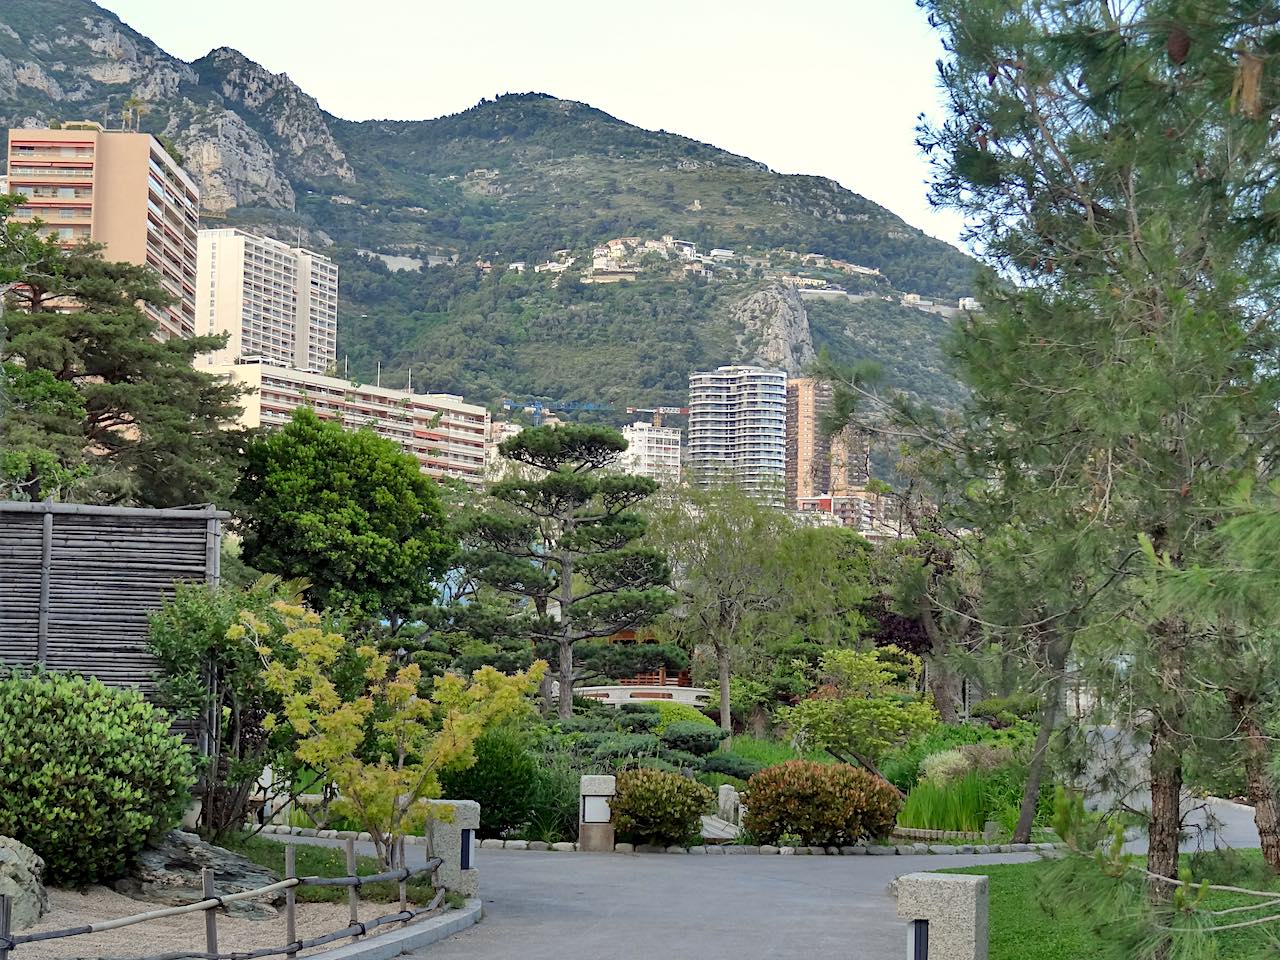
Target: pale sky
827 87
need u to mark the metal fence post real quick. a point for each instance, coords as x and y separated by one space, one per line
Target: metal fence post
291 898
6 918
210 915
353 898
404 881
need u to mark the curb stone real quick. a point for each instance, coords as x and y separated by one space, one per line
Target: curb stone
491 844
392 943
698 850
942 849
787 851
538 845
768 849
624 848
564 847
676 849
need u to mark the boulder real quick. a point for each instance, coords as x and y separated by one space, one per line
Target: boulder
168 872
21 871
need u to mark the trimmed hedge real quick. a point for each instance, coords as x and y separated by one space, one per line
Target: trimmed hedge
732 765
819 804
88 774
669 713
654 806
503 780
695 738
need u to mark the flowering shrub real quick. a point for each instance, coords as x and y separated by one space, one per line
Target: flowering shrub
653 806
942 768
822 804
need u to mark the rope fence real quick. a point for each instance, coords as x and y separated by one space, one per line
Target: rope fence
10 941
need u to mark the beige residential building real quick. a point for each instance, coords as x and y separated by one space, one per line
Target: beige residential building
738 429
818 463
275 302
120 189
448 436
652 452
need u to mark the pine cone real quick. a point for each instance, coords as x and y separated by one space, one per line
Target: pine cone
1178 45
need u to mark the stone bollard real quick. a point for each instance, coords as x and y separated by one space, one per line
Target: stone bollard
595 819
454 842
949 909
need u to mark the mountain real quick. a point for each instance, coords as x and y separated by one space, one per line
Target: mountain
515 179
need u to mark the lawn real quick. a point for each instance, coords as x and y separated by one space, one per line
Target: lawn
316 861
1028 920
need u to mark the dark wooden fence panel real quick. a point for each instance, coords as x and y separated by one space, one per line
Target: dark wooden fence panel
77 583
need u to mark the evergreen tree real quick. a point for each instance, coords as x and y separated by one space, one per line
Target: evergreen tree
125 418
1119 168
563 536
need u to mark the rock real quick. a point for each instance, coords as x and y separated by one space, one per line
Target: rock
1019 848
879 850
833 851
538 845
787 851
775 320
715 849
677 849
699 849
942 849
853 850
564 846
624 848
168 872
818 851
21 873
982 848
803 851
516 845
650 848
491 844
768 849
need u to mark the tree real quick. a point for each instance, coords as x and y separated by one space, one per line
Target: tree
780 589
347 511
863 705
564 538
384 747
1118 166
94 405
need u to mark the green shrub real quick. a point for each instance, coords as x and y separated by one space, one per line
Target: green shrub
653 806
731 765
645 722
956 805
501 780
821 804
553 801
635 706
590 723
670 712
1017 706
767 752
901 767
621 746
942 768
696 738
88 774
682 759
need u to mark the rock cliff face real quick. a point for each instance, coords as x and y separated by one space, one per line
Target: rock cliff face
774 322
232 163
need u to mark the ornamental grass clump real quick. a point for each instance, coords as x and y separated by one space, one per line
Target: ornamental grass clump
653 806
88 774
820 804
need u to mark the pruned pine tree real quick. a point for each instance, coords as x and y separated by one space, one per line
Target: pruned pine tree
563 535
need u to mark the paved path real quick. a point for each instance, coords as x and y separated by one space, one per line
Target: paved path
583 906
586 906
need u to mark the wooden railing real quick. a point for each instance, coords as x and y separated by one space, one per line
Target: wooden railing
659 679
10 941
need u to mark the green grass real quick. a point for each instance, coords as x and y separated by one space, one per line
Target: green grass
1031 918
769 752
958 805
316 861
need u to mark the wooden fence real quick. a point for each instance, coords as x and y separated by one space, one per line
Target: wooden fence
78 582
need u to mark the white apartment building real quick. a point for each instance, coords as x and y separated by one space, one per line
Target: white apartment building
738 428
652 452
447 436
276 302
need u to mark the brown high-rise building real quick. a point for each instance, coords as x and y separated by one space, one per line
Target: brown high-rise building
120 189
808 448
820 464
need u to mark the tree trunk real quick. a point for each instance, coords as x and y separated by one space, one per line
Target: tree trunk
722 664
942 680
1261 786
1165 825
1058 648
566 678
566 630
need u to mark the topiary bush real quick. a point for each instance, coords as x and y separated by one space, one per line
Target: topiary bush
732 765
670 712
653 806
821 804
1007 710
502 780
88 774
639 722
626 745
696 738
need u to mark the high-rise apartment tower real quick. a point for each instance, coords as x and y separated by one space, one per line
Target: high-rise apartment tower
738 428
120 189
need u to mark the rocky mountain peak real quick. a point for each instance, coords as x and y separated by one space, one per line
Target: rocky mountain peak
775 320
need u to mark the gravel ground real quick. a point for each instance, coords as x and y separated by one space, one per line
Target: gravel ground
70 908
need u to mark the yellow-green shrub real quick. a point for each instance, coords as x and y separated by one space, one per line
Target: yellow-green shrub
824 804
653 806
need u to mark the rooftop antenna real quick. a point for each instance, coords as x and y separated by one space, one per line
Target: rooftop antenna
411 378
379 381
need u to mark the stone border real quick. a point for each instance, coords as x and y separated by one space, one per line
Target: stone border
917 833
385 946
731 849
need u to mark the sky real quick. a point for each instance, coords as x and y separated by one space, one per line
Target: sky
826 87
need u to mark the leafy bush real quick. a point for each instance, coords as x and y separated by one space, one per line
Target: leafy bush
683 760
822 804
696 738
88 774
645 722
941 768
553 801
1017 706
624 745
637 707
670 712
732 765
502 780
653 806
